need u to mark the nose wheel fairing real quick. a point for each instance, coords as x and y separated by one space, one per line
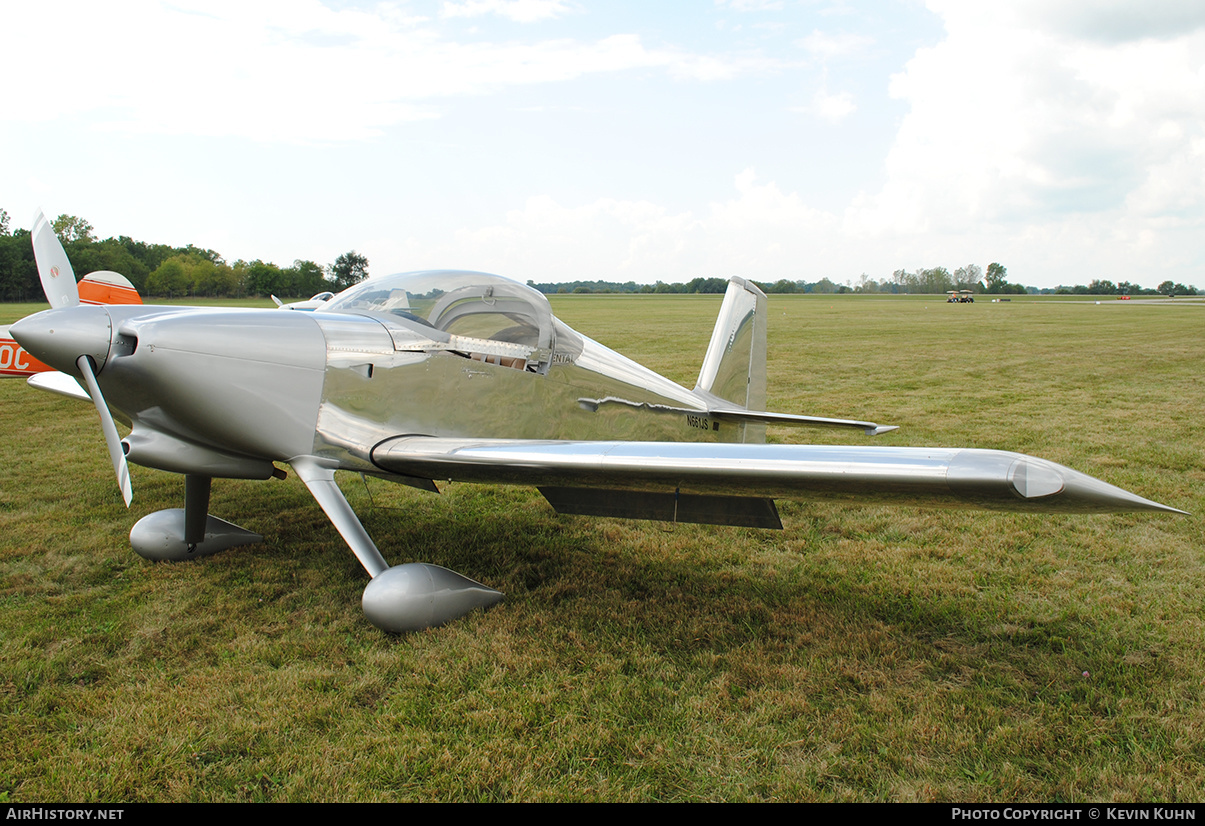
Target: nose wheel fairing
160 536
179 534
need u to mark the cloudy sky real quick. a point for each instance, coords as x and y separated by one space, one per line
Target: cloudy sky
565 139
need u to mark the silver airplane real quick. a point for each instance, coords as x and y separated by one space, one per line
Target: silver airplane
465 376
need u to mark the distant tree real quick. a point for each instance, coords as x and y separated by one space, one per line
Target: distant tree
72 229
3 222
190 274
151 255
866 284
997 281
349 268
307 278
197 252
1169 288
109 254
18 273
707 285
781 286
211 277
170 278
997 277
936 280
968 277
264 279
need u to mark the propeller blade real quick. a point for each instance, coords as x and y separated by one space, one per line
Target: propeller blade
58 279
106 424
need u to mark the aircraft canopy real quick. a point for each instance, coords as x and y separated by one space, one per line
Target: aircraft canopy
470 304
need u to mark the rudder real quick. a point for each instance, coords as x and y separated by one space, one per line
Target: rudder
734 369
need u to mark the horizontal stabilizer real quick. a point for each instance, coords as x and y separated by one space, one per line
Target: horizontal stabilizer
791 419
740 415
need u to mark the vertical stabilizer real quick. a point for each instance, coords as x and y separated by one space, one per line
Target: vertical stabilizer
734 369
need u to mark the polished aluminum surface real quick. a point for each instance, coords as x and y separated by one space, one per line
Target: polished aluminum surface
993 479
457 375
159 536
734 365
416 596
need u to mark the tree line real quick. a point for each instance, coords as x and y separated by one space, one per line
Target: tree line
162 270
937 280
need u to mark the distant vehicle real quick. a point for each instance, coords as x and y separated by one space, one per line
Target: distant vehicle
314 302
1123 298
960 297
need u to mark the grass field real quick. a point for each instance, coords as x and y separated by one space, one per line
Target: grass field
864 653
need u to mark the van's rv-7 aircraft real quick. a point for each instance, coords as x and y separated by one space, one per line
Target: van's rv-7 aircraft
469 377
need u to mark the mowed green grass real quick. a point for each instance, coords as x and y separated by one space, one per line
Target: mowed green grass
864 653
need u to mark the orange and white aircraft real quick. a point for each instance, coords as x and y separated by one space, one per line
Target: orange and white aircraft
102 287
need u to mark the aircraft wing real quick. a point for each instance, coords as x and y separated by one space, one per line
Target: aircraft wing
728 483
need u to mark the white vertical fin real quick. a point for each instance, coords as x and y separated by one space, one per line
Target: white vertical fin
734 368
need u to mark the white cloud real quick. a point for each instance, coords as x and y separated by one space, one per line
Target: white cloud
751 5
1111 21
824 46
520 11
1031 133
759 232
1012 123
292 70
832 108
